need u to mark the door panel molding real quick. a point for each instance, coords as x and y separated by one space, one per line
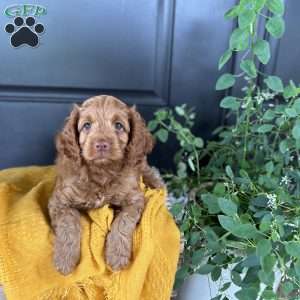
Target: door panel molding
157 91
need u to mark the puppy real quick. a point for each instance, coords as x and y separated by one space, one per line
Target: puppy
101 157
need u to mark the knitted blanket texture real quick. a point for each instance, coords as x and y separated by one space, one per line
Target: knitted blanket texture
26 246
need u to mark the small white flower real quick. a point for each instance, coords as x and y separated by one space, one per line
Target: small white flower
292 157
271 200
271 105
292 225
268 95
259 99
271 197
285 180
196 268
261 147
169 205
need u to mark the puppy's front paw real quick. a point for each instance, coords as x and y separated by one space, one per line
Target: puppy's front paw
117 251
66 257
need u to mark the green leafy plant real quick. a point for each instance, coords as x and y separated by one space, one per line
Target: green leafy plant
240 210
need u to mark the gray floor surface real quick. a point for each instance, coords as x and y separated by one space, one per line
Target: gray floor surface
2 297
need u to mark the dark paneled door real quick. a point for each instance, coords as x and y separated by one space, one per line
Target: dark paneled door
150 53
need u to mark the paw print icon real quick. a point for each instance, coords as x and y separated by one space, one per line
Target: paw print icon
24 32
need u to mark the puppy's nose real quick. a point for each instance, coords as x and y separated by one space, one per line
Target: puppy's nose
102 146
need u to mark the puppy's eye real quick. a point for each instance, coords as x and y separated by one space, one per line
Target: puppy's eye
87 125
119 126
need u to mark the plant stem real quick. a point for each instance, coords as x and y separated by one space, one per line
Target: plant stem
195 151
250 90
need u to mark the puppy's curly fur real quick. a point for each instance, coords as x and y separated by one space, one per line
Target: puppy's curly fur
101 157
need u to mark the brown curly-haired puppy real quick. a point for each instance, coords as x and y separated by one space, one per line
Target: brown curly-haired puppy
101 157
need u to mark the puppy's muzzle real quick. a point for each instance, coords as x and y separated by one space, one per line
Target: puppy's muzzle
102 146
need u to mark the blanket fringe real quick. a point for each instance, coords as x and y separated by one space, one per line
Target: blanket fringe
88 289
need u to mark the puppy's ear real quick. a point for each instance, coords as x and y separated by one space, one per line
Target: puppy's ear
140 139
67 143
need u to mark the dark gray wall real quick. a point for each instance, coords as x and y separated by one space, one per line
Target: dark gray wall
150 53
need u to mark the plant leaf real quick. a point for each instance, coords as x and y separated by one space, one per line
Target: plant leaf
217 297
262 50
296 131
266 278
161 114
227 223
228 207
194 238
248 66
239 39
276 7
236 278
152 125
216 273
245 231
265 128
198 255
246 18
290 90
283 146
250 261
177 209
211 202
268 295
268 262
225 286
276 27
263 248
265 223
247 293
179 110
259 4
229 172
162 134
230 103
296 105
269 167
297 268
205 269
240 230
191 164
269 115
226 81
293 249
232 12
274 83
288 287
198 142
183 272
224 58
291 112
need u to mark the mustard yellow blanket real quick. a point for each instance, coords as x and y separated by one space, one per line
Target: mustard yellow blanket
26 243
